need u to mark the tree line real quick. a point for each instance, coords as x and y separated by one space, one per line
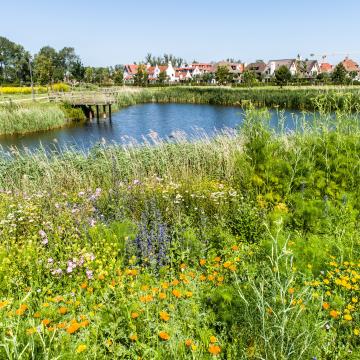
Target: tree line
19 67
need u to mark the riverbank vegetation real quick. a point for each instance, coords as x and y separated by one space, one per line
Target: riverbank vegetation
318 99
18 119
243 246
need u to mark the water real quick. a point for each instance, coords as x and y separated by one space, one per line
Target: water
136 122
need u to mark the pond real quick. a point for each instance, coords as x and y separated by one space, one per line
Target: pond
135 123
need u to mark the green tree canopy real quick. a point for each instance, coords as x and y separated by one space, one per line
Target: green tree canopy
223 75
339 75
282 75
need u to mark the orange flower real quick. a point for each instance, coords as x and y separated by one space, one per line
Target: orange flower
164 335
134 315
73 328
188 342
334 314
217 259
133 337
84 323
202 277
46 322
213 339
21 310
227 264
232 267
175 282
146 298
202 262
234 248
101 277
291 291
63 310
61 325
83 285
214 349
162 296
182 266
176 293
164 316
325 305
36 315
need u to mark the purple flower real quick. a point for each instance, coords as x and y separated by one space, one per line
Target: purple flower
42 233
50 260
92 222
89 274
57 272
45 241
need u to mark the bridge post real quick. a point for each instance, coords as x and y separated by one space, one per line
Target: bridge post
110 111
104 110
97 112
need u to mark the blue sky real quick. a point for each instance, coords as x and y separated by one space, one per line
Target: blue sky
110 32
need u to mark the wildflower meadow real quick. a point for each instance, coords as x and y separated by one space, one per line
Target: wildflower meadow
242 246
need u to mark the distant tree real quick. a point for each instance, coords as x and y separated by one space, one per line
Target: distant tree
223 75
48 66
141 77
249 78
324 77
14 62
339 75
89 74
118 77
207 77
282 75
162 77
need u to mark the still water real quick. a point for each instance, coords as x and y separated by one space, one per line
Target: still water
135 123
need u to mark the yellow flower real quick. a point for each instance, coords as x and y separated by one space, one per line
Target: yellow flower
81 348
164 316
133 337
356 332
213 339
347 317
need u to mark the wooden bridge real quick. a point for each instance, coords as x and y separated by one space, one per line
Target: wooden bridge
87 101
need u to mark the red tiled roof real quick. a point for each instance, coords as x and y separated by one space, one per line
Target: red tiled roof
350 65
325 67
131 68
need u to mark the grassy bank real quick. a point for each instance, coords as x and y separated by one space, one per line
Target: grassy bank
329 99
22 119
237 247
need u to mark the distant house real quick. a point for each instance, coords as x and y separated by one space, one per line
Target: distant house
326 68
273 65
130 70
308 68
258 68
350 65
